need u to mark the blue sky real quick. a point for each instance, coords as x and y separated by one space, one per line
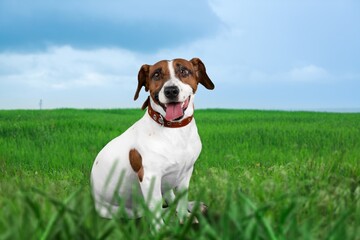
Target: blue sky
261 54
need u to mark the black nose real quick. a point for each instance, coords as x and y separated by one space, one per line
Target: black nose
171 92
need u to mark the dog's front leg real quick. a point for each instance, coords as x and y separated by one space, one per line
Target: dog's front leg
182 206
151 190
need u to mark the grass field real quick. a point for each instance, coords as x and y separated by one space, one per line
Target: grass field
264 175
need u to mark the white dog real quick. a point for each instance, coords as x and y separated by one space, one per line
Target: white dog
158 152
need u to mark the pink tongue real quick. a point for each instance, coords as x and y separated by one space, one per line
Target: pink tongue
173 111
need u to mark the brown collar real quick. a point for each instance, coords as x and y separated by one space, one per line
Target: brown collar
157 117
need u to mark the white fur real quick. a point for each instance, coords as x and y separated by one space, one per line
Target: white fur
168 156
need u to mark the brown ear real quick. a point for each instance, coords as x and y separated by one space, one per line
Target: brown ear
200 72
142 76
146 103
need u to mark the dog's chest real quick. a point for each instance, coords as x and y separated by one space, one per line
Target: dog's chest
173 151
178 157
181 152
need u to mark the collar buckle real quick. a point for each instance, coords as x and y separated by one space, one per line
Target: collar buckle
161 120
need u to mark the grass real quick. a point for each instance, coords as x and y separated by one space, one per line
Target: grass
264 175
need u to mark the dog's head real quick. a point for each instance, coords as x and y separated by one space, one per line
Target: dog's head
172 85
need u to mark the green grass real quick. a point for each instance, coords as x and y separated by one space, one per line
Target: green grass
264 175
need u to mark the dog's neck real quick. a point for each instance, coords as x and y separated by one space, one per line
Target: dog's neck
160 119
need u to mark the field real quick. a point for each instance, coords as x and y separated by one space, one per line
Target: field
263 174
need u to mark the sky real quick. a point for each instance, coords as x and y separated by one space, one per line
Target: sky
260 54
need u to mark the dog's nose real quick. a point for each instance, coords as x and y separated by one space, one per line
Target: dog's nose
171 92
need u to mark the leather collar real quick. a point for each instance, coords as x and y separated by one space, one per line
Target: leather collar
157 117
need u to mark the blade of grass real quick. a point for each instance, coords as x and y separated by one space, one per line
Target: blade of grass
259 217
57 215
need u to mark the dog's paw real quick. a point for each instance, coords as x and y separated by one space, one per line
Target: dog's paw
187 216
193 207
198 206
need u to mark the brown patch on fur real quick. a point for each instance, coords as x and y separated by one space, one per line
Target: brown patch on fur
152 77
136 163
201 75
158 75
189 79
142 80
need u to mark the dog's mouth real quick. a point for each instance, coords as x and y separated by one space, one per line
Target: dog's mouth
176 110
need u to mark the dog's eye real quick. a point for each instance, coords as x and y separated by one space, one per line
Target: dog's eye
157 75
184 72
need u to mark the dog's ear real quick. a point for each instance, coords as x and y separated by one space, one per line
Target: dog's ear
146 103
142 80
200 73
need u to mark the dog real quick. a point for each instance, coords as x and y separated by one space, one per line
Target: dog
156 155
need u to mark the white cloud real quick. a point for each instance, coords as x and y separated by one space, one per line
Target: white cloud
308 73
298 75
65 67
